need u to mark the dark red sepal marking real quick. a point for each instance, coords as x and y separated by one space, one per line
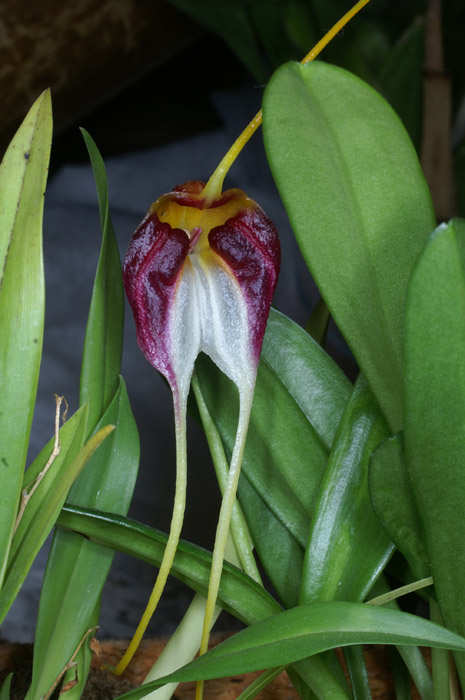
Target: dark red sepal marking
152 264
249 245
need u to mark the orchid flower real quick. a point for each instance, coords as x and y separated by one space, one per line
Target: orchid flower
199 274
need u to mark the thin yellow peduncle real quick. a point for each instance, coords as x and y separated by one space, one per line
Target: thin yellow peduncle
214 186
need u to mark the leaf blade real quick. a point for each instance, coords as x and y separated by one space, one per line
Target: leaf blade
360 227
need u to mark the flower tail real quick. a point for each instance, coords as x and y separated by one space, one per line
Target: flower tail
222 531
174 535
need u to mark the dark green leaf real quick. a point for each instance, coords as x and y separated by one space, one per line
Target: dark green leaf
283 457
307 630
434 399
393 502
347 546
77 568
279 552
238 593
315 382
336 149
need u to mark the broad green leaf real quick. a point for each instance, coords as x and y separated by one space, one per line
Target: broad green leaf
306 630
283 457
347 546
279 552
299 387
393 502
44 505
315 382
336 150
101 359
434 400
77 568
23 175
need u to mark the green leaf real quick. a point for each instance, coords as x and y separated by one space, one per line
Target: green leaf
23 175
101 359
315 382
434 398
304 631
299 398
336 150
5 689
347 546
239 594
44 505
77 568
279 552
393 502
279 442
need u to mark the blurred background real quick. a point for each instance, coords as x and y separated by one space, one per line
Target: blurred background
164 87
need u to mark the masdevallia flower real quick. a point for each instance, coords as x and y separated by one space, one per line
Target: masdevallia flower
199 274
201 277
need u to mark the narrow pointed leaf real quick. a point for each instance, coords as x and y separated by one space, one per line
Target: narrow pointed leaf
238 593
23 175
306 630
44 506
77 568
336 148
393 502
347 546
435 429
101 359
43 522
5 689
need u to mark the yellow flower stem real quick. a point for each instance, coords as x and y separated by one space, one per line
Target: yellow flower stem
222 531
173 538
214 186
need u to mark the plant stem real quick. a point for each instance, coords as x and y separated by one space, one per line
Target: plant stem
229 497
174 535
214 186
